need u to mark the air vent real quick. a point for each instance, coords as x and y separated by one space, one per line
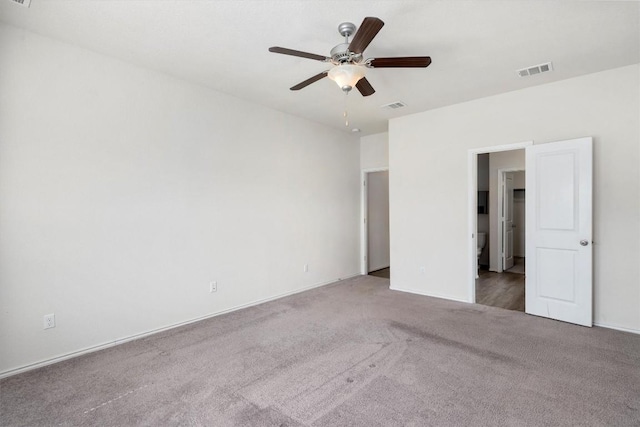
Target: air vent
536 69
25 3
394 105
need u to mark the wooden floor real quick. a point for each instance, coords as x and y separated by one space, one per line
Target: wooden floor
504 290
385 272
518 265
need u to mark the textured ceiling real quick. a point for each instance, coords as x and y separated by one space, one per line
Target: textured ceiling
476 46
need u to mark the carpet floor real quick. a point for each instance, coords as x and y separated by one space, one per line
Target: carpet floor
350 354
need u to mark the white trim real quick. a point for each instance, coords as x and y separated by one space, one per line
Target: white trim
601 325
129 338
472 193
118 341
419 292
501 178
503 147
472 212
617 328
364 183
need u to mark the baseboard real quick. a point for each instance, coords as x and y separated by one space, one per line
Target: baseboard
617 328
602 325
118 341
417 292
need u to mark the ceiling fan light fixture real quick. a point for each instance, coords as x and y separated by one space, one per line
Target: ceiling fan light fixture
346 75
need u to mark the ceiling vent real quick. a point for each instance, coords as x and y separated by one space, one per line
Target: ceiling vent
25 3
536 69
394 105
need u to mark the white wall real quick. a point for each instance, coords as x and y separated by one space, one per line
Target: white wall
428 186
483 172
519 180
124 192
513 159
378 220
374 151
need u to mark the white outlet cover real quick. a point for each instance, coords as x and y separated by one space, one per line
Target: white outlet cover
49 321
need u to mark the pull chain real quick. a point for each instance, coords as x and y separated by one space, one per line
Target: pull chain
346 116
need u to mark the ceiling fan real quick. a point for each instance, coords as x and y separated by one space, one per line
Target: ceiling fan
349 65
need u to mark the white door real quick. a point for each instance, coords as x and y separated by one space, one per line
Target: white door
558 239
507 220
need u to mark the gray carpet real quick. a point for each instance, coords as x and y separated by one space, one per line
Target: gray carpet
349 354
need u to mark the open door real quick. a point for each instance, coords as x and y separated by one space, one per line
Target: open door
559 231
507 220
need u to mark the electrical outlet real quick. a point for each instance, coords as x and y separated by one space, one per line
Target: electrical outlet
423 270
306 268
213 287
49 321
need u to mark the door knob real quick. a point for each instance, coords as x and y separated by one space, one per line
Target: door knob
584 242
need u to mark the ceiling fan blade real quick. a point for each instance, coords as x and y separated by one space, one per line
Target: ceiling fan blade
367 31
401 62
365 87
310 80
292 52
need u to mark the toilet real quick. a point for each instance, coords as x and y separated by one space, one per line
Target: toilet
481 241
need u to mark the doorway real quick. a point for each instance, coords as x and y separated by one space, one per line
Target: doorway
511 220
488 284
500 281
513 223
558 228
375 222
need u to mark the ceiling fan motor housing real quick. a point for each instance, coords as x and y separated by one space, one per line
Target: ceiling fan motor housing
341 53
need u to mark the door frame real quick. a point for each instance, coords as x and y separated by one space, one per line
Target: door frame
500 195
472 202
364 205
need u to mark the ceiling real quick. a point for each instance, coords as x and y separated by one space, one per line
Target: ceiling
476 46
